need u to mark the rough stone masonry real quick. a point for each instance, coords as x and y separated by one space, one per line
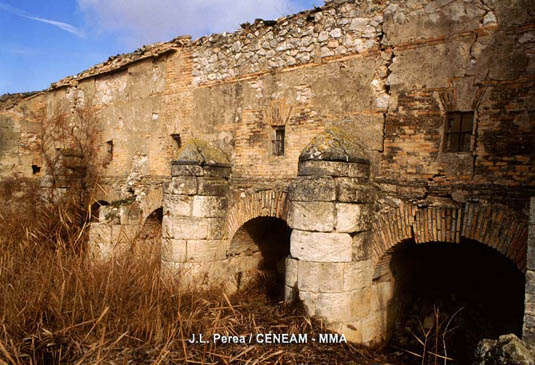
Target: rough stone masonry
361 124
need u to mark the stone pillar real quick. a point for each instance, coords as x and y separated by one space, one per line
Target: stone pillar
528 331
194 207
330 269
114 231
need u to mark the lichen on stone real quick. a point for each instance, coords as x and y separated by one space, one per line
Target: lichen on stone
334 144
202 153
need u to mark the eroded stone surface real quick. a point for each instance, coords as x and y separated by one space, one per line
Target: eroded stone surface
321 247
313 189
312 216
351 217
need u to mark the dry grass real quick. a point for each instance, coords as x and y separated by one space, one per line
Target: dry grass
57 308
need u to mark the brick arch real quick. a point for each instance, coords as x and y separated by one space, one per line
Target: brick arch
265 203
493 225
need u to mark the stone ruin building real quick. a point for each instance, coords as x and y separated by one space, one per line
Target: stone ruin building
313 146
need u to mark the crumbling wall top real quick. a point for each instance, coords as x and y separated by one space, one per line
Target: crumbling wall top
334 144
199 152
114 63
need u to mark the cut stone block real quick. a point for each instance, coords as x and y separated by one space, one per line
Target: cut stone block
216 228
361 246
189 228
205 250
321 247
213 186
209 206
321 277
373 327
99 232
532 210
99 241
183 185
198 276
357 275
178 205
349 218
312 189
382 294
334 306
310 301
124 234
351 190
173 250
530 259
167 226
290 293
311 216
199 171
291 272
186 170
333 168
361 303
217 171
348 329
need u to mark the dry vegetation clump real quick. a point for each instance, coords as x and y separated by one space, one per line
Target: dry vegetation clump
57 307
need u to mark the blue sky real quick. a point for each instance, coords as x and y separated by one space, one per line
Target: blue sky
44 41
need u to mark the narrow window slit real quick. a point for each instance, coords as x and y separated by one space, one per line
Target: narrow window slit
278 141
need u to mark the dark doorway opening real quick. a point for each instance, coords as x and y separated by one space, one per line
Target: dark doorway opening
472 286
96 213
149 239
259 249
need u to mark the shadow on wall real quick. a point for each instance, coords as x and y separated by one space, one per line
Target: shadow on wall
97 214
433 281
150 236
258 250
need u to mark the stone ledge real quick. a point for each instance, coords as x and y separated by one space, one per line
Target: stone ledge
199 171
306 189
333 168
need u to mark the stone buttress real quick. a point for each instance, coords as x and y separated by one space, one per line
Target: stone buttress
330 269
194 208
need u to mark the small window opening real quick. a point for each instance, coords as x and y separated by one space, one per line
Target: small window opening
176 138
109 147
36 169
278 141
459 131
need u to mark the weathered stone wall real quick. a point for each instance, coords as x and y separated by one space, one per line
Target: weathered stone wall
376 68
463 56
19 134
529 299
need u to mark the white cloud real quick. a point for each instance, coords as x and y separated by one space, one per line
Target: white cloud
61 25
146 21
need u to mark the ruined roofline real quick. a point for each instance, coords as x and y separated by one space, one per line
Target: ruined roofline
259 23
118 62
9 100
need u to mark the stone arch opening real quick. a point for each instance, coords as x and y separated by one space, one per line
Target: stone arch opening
484 287
150 235
257 251
471 231
97 213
